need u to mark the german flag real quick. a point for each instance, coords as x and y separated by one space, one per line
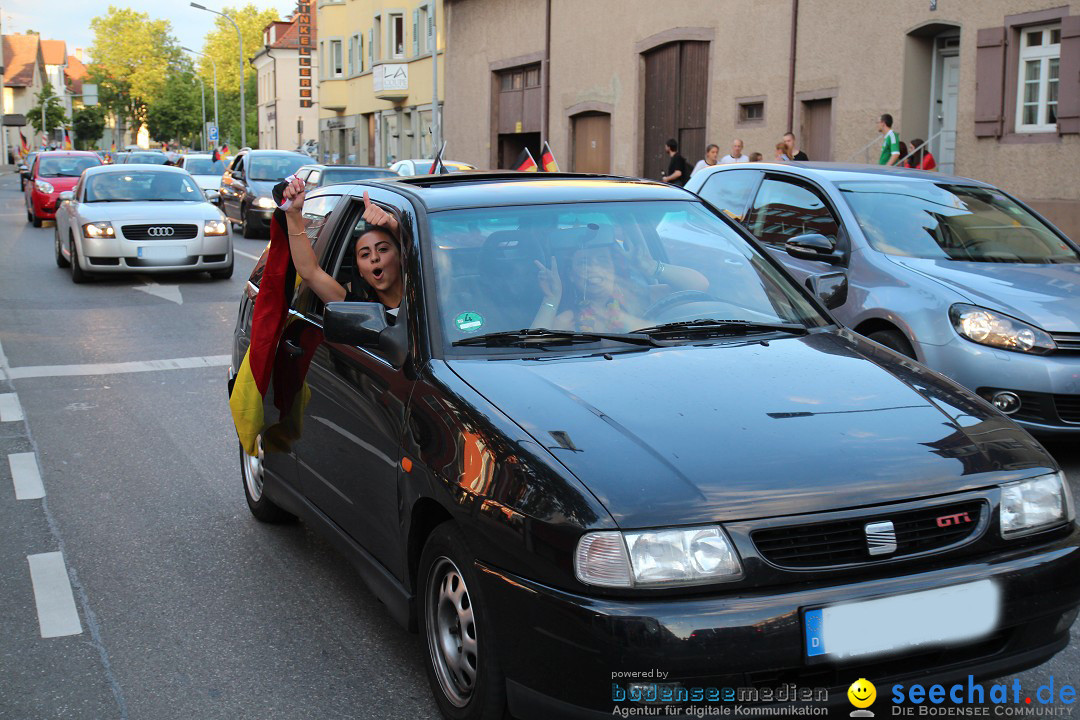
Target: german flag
25 146
112 146
548 159
67 140
525 162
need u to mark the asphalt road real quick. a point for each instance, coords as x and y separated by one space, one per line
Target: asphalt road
186 606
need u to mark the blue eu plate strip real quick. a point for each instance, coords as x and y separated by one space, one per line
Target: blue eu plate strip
815 637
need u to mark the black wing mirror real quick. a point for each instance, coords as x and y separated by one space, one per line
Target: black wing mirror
364 324
831 288
812 246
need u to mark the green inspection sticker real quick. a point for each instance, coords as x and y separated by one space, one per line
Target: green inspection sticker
469 322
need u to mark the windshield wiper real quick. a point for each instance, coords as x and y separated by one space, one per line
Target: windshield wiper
543 336
708 326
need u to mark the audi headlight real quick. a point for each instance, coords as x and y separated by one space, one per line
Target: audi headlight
656 558
98 230
987 327
1032 505
215 227
265 203
44 187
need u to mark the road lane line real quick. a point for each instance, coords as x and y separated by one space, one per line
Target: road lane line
10 409
3 364
25 475
40 371
56 611
247 255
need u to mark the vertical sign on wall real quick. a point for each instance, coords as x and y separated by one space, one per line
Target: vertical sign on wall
303 27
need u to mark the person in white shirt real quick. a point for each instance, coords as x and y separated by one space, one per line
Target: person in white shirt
710 158
736 155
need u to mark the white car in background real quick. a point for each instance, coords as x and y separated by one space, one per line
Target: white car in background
423 167
140 218
206 171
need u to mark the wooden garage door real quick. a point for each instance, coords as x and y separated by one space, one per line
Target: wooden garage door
592 143
676 95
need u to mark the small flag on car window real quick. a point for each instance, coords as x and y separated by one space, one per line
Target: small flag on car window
525 162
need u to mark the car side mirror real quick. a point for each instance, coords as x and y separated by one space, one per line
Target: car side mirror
364 324
812 246
67 195
830 288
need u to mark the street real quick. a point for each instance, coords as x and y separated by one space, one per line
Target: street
187 606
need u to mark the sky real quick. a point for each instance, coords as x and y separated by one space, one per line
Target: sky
69 20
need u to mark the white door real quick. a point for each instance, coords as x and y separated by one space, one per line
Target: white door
950 72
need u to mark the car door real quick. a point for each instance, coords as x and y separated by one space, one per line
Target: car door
349 455
232 188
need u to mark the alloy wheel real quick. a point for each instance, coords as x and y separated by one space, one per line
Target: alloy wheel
253 471
451 632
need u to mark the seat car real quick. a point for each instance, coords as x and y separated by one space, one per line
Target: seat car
53 173
736 492
407 168
320 175
24 169
244 194
150 157
140 218
206 171
955 273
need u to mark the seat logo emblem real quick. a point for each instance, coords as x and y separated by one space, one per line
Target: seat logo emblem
161 232
881 538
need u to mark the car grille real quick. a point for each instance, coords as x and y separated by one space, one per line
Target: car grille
1067 343
1068 407
142 232
843 542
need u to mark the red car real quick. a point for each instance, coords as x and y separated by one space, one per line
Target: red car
51 174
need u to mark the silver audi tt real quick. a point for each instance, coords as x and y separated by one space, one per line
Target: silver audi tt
140 218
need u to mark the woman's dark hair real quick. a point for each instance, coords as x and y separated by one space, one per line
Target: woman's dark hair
903 152
918 152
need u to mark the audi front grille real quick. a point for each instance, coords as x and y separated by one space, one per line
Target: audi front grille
160 232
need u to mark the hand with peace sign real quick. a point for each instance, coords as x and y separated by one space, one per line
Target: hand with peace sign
550 282
375 215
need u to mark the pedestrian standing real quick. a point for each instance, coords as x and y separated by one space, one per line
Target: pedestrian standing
756 157
890 144
710 157
903 153
736 154
678 170
781 152
793 150
921 159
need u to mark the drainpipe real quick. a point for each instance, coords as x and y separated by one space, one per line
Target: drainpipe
791 66
545 95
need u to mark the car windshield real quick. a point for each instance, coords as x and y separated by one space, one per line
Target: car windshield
65 166
151 158
331 176
204 166
275 167
952 222
142 186
601 267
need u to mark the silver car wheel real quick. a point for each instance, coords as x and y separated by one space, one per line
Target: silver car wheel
451 631
252 467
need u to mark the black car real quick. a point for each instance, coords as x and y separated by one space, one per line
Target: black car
24 170
319 175
738 493
247 183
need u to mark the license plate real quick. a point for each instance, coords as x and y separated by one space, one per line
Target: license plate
167 252
941 616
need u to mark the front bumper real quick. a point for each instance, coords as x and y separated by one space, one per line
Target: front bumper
259 218
560 650
45 205
111 255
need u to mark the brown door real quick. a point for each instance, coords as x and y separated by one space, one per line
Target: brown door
816 130
592 143
676 92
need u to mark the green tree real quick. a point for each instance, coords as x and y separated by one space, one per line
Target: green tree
89 124
177 113
221 45
54 109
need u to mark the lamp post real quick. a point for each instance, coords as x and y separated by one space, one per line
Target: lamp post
202 89
243 119
213 64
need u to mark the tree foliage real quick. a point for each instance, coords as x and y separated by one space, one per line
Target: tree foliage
89 125
54 109
176 114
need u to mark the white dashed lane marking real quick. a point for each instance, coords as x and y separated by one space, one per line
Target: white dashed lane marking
25 475
39 371
10 409
55 602
247 255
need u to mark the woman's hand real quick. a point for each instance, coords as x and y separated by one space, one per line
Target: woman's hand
375 215
550 282
295 191
640 258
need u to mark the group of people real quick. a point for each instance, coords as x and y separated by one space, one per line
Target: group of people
679 171
894 150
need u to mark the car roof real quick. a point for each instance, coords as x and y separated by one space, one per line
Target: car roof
273 152
848 172
497 189
123 168
66 153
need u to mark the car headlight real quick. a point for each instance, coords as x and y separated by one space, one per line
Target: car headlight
44 187
656 558
987 327
1032 505
99 230
215 227
265 203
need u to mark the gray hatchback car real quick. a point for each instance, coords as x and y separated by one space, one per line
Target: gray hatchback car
953 272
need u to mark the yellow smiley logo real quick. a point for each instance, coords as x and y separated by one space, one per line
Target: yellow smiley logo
862 693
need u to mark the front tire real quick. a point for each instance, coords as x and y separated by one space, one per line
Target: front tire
222 274
463 666
61 261
262 507
78 276
894 340
246 230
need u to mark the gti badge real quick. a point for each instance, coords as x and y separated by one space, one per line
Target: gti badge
947 520
881 538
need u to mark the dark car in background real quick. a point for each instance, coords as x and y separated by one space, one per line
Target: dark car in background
148 157
319 175
739 492
246 185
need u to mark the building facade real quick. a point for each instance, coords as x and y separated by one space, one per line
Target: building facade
375 81
54 54
288 95
24 73
994 86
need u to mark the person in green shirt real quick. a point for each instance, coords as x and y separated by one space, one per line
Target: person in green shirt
890 144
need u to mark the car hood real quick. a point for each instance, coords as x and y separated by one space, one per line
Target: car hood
60 184
1045 295
732 432
149 212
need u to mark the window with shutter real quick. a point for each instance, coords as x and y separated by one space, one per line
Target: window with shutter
1068 110
415 32
989 82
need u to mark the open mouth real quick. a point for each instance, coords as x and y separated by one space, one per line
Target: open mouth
377 273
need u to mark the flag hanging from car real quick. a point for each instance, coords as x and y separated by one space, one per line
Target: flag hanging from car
525 162
67 140
437 165
548 159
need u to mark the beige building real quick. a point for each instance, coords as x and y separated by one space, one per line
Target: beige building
288 96
24 74
375 81
994 84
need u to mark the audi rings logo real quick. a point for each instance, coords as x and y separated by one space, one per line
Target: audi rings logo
161 232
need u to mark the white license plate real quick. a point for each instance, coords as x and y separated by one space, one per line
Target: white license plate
165 253
960 613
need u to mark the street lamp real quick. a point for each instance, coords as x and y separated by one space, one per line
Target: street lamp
202 89
243 119
217 128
